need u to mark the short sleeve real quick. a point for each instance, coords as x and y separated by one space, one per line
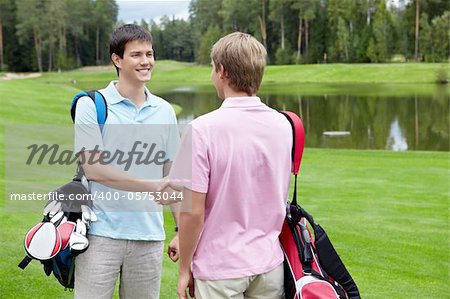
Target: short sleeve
88 136
173 137
191 166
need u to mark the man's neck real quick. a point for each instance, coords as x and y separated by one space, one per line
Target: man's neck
133 92
228 92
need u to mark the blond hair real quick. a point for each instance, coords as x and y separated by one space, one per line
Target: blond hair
243 58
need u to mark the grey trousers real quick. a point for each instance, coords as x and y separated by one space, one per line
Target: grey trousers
139 264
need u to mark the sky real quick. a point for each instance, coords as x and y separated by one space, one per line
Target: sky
135 10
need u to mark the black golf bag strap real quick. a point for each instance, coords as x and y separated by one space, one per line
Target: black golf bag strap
338 288
79 174
26 260
294 196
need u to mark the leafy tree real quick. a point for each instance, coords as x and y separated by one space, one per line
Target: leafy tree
343 40
372 51
80 22
382 30
283 56
55 32
206 43
278 10
240 15
105 16
203 15
400 35
317 37
206 13
306 13
3 5
413 10
30 24
425 39
176 40
362 49
7 31
158 40
441 37
338 31
263 23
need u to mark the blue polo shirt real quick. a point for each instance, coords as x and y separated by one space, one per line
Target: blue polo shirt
140 139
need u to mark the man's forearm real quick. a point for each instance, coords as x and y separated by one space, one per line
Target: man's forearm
175 208
190 227
110 176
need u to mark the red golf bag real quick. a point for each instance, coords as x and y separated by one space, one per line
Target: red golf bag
312 267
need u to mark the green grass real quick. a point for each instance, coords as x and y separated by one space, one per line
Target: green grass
390 79
386 212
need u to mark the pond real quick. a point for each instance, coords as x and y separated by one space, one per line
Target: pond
397 118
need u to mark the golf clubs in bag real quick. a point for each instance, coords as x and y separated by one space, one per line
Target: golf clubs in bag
313 268
61 235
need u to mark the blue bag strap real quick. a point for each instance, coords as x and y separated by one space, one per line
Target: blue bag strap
100 106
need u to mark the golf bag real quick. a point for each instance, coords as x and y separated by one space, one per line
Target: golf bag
313 269
61 235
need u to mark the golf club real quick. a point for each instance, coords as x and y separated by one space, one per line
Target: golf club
56 208
50 205
78 243
83 219
78 226
56 219
88 214
81 227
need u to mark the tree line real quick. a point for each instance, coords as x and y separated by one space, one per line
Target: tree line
48 35
317 31
63 34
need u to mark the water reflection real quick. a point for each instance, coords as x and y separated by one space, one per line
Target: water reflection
396 140
372 121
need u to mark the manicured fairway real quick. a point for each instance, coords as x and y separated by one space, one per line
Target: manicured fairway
386 212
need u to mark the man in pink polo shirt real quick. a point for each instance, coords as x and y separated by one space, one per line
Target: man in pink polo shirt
236 181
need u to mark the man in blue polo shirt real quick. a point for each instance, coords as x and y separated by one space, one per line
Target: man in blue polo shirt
139 140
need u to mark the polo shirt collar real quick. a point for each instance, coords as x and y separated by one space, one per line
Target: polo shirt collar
237 102
113 97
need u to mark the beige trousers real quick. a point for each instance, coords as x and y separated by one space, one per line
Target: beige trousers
268 285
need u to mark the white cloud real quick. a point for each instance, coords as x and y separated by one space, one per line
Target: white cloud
136 10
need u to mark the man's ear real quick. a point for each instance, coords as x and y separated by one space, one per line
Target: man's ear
116 60
222 72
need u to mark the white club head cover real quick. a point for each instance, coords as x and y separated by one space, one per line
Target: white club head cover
88 214
50 205
81 227
56 208
56 219
78 243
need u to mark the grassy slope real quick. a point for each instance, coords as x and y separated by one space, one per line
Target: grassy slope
306 79
386 212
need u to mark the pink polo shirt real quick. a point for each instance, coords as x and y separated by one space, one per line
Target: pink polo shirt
241 158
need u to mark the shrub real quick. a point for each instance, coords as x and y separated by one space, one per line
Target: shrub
283 56
396 58
442 76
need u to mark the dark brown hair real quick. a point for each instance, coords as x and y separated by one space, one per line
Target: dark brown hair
125 34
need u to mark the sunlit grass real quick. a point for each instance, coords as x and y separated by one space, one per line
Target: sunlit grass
386 212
